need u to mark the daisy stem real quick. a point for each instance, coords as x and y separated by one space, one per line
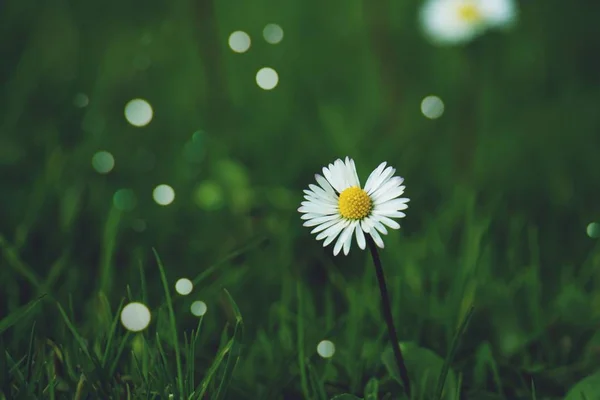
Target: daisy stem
387 314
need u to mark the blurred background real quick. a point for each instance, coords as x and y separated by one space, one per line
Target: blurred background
192 126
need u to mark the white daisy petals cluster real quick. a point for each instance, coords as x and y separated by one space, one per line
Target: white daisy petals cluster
458 21
338 208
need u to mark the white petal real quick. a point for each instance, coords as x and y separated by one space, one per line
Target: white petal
310 216
374 176
342 238
360 237
333 176
342 173
327 224
331 238
393 205
377 238
320 200
384 192
374 222
348 243
366 227
312 208
351 175
382 179
325 185
320 220
326 194
333 230
390 214
387 221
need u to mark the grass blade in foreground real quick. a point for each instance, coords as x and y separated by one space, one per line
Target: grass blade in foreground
18 314
163 277
452 352
234 355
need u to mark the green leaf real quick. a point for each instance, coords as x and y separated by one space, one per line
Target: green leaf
372 389
345 396
587 388
18 314
424 367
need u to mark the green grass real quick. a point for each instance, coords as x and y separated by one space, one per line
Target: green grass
509 349
494 283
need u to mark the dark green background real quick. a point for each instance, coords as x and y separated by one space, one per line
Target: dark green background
502 186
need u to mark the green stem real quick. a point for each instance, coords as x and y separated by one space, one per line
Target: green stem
387 314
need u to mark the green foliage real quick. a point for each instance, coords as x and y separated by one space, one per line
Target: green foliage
587 388
503 186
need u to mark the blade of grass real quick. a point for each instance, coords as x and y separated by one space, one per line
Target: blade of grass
234 355
17 315
30 353
253 243
451 353
163 357
203 386
98 369
316 383
300 341
14 368
111 334
109 241
15 262
115 363
169 300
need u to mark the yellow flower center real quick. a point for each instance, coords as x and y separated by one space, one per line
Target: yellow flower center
355 203
469 13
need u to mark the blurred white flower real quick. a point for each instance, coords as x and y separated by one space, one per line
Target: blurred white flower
459 21
339 208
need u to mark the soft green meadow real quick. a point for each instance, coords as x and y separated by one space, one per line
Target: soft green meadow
494 277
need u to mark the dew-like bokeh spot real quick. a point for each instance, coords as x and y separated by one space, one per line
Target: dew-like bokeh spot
239 41
81 100
135 317
139 225
593 230
184 286
124 199
326 348
103 162
198 308
163 195
138 112
267 78
273 33
209 195
432 107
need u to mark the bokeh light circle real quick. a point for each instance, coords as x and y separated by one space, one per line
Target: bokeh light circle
103 162
81 100
184 286
135 317
138 112
198 308
267 78
273 33
593 230
239 41
124 199
326 348
163 195
432 107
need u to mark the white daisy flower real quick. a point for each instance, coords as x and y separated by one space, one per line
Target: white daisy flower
339 208
458 21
